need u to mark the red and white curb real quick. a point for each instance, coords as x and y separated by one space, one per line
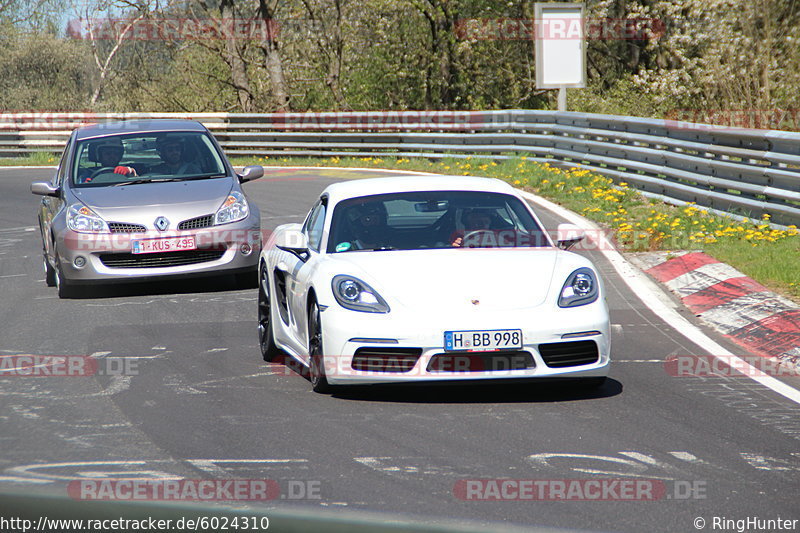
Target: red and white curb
735 305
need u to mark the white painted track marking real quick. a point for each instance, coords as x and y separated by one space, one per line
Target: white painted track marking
765 462
14 479
26 167
629 467
140 469
20 228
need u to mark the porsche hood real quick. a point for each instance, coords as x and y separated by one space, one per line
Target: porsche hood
453 278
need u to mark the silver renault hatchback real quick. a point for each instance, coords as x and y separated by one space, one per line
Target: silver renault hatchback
146 200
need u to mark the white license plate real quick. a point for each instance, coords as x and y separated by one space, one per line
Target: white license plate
482 340
174 244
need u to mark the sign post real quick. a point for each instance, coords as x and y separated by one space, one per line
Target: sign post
560 48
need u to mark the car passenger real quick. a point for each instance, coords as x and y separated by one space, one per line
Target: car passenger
172 149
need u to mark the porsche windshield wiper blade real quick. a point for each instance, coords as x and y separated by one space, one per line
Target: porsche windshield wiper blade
380 249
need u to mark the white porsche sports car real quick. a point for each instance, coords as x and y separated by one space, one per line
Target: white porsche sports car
430 278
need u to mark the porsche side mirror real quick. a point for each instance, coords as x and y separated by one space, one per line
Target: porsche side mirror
251 173
569 235
45 188
293 241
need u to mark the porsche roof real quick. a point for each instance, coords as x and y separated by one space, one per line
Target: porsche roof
406 183
137 126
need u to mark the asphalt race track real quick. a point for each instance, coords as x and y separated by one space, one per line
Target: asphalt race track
196 401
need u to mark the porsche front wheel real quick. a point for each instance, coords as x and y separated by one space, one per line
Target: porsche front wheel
269 350
319 381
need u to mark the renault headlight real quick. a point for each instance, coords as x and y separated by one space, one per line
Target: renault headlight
354 294
83 220
579 289
233 209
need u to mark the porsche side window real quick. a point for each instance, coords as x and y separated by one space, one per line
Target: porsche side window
314 225
307 221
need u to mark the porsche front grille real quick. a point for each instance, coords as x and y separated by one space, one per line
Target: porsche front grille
563 354
377 359
157 260
481 361
197 223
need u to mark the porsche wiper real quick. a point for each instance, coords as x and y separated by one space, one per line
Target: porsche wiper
380 249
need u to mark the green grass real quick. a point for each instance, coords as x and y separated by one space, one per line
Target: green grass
777 266
771 257
36 159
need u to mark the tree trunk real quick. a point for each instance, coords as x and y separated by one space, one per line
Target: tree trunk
337 57
233 57
330 44
441 21
272 58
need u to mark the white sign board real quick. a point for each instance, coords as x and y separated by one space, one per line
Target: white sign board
560 50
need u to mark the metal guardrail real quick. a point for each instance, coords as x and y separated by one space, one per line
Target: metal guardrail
733 170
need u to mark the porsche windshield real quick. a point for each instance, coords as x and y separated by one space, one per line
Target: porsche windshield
145 157
438 219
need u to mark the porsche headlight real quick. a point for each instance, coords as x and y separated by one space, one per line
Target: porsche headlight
579 289
233 209
354 294
83 220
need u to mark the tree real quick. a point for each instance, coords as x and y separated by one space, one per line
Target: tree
327 33
41 71
273 62
107 35
233 55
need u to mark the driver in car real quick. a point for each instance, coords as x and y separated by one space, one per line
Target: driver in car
474 220
109 153
369 224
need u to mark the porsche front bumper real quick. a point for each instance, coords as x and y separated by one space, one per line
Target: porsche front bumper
371 348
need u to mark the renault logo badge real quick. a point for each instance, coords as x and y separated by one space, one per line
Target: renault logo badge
162 224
